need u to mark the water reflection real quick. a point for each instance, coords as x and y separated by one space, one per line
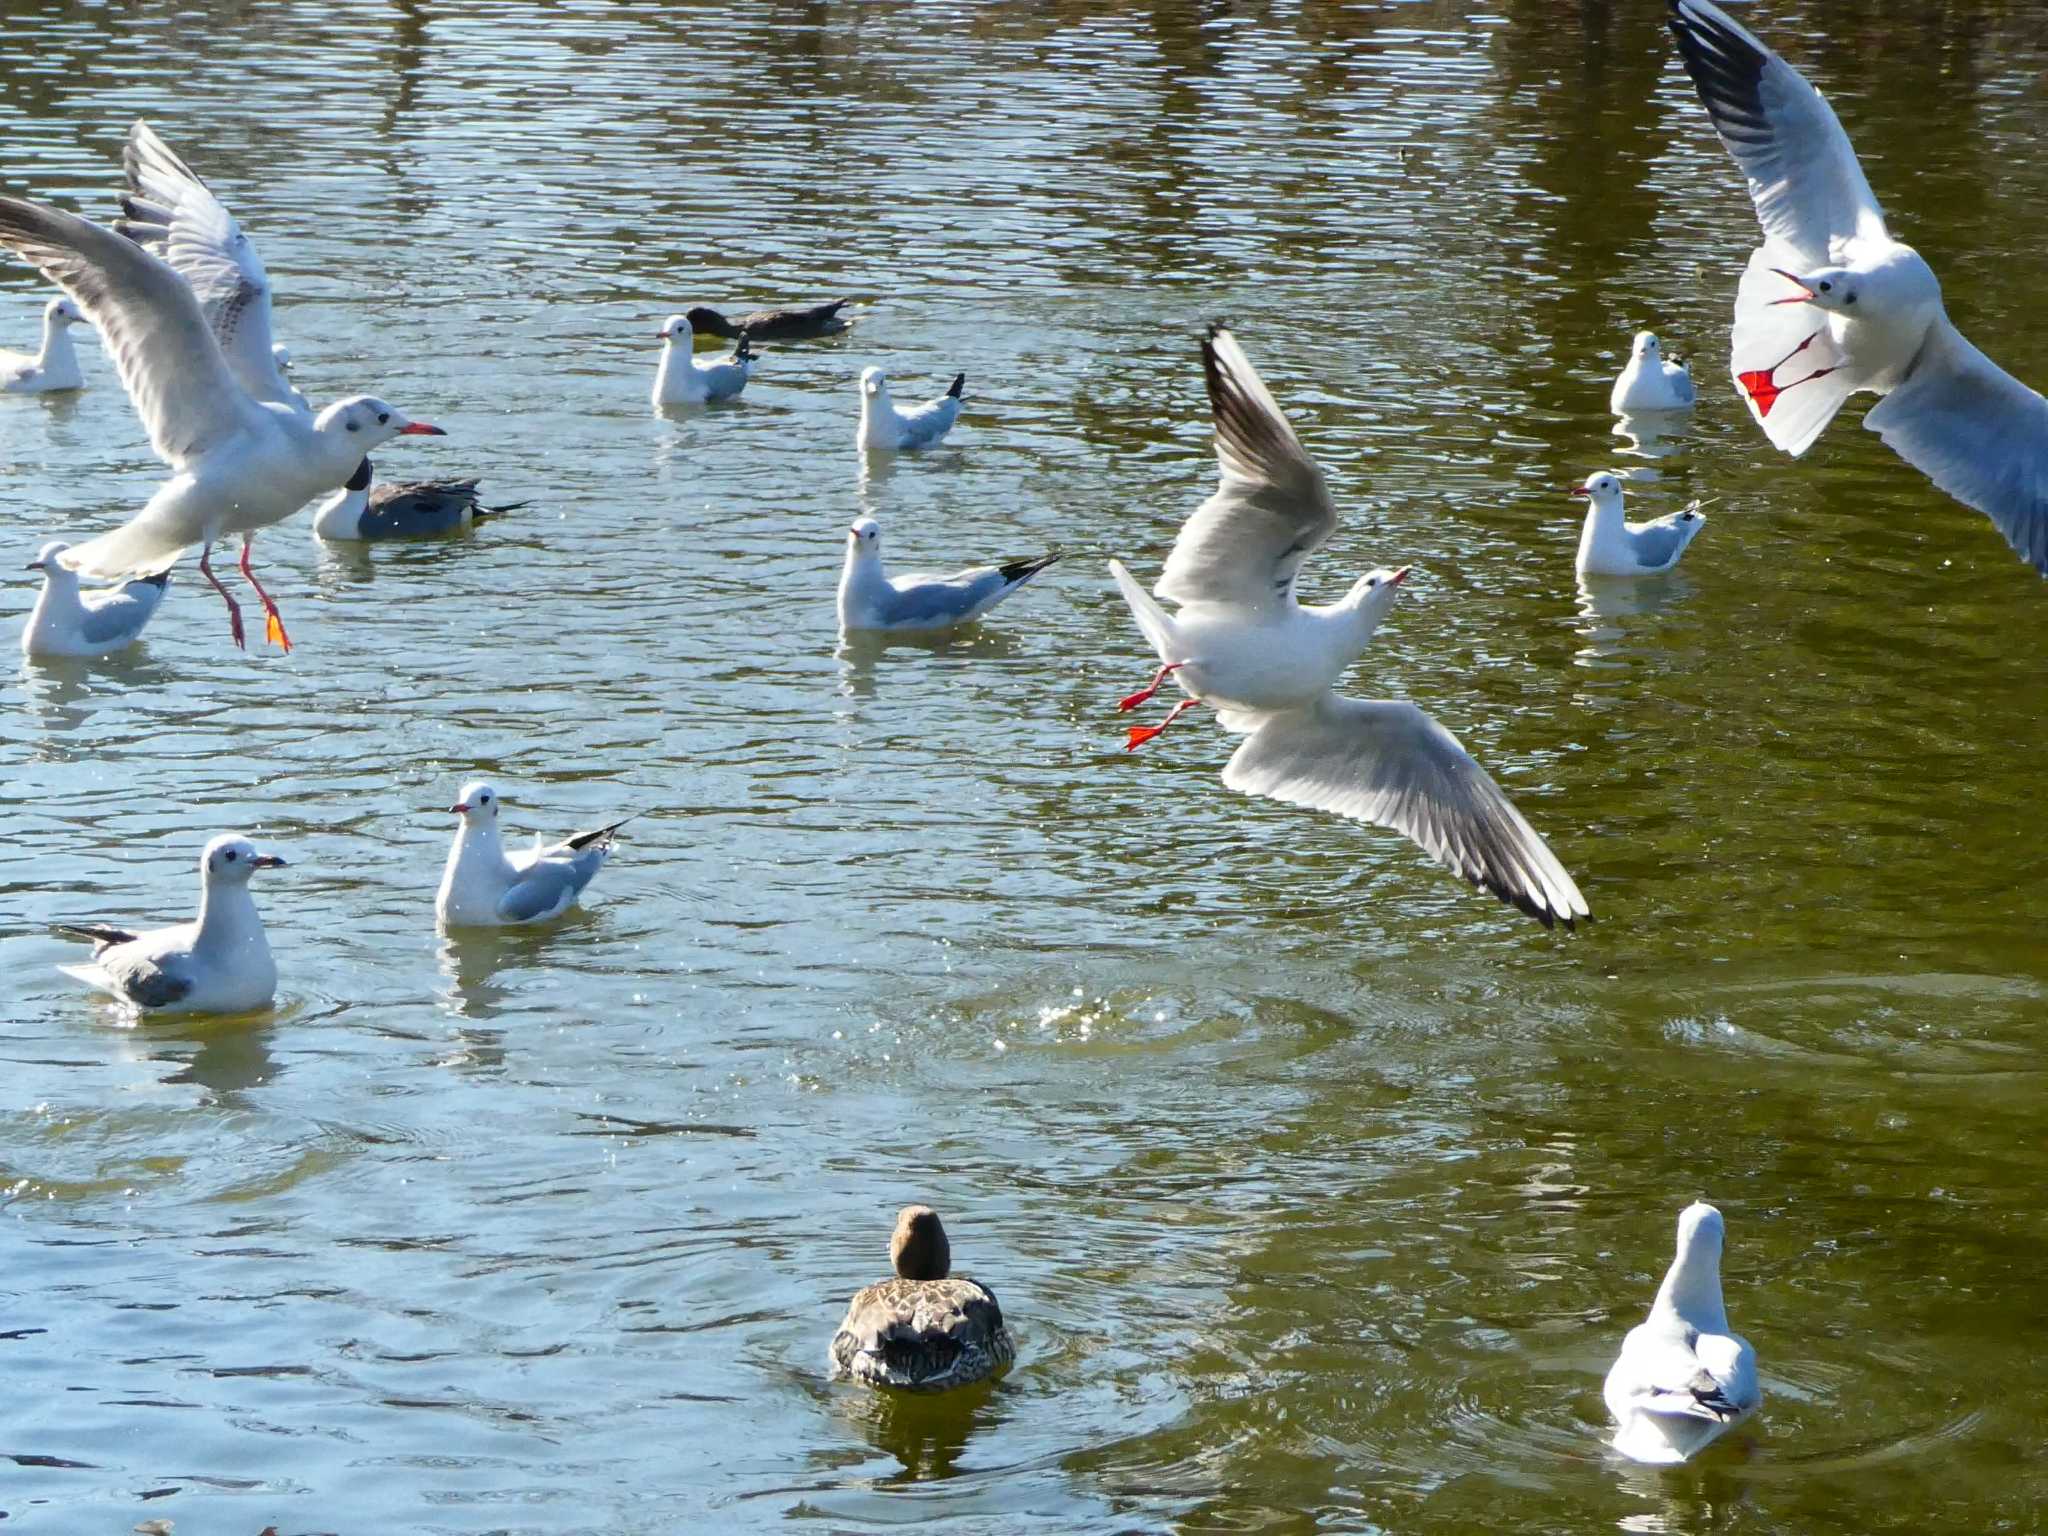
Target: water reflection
1605 601
863 653
1652 434
927 1432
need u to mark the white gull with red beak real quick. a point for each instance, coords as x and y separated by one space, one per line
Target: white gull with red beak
1611 545
680 379
53 368
218 963
1864 312
484 887
68 622
1242 643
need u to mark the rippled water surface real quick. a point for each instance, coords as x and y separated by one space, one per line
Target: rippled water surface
1319 1189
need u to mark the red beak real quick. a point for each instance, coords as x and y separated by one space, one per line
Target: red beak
1578 490
1805 294
420 429
458 807
1398 577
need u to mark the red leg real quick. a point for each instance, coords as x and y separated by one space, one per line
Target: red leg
273 621
234 608
1132 701
1140 734
1762 382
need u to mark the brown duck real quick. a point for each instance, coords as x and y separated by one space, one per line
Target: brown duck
773 324
923 1331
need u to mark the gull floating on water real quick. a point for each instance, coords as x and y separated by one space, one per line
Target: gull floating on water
68 622
218 963
283 356
240 463
808 324
887 427
1682 1379
415 509
870 598
1863 313
925 1329
1610 545
1242 643
1649 382
483 887
54 367
681 380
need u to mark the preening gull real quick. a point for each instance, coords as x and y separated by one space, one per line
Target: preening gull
807 324
484 887
415 509
1610 545
68 622
681 380
886 427
870 598
240 463
1864 312
1682 1379
1242 643
1650 382
218 963
925 1329
54 366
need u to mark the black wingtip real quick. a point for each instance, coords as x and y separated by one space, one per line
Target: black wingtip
158 579
1014 571
602 836
958 388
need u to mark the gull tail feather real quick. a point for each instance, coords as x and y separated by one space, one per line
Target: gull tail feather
1152 619
134 549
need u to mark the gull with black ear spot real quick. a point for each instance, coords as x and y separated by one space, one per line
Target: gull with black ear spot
871 599
680 379
1863 313
1610 545
69 622
482 886
53 367
218 963
886 427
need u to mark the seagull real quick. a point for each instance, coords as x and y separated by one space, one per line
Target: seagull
482 887
1243 643
55 365
65 622
1609 545
1864 313
1649 383
1682 1379
925 1330
773 324
218 963
406 510
282 354
884 425
682 380
870 598
239 463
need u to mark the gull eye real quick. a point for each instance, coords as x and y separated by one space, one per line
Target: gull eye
1824 287
231 855
383 418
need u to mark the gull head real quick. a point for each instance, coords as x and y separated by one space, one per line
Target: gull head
1830 288
282 356
676 328
365 422
477 805
1372 595
873 383
864 539
47 562
64 312
918 1249
1602 488
231 859
1645 345
1700 1232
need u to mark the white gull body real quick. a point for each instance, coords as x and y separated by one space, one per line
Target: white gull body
1832 305
1650 382
54 367
1682 1379
1610 545
218 963
484 887
681 380
887 427
1242 642
871 599
68 622
238 463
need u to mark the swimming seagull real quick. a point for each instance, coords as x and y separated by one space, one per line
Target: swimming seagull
218 963
282 354
925 1329
239 463
54 367
1610 545
807 324
1649 382
1243 643
870 598
1682 1379
682 380
407 510
886 426
1865 312
67 622
482 887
